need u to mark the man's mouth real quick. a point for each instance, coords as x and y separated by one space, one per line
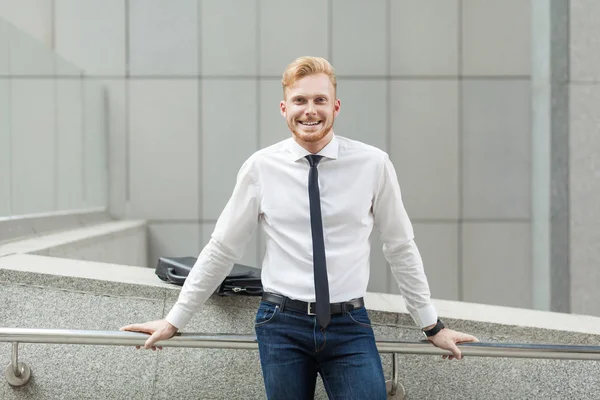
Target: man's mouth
309 123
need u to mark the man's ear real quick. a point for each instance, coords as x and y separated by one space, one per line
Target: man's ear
336 107
282 108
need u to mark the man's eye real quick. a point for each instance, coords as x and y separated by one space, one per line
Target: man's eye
299 101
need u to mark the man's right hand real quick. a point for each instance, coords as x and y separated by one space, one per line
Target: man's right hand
158 330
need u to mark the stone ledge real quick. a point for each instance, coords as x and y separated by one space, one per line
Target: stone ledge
82 276
43 299
97 277
485 313
50 292
21 226
43 243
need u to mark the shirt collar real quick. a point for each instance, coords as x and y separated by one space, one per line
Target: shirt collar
331 150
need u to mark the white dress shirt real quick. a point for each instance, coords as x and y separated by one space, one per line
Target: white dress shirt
359 189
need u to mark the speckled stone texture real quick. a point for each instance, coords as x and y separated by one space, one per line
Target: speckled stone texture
77 372
106 372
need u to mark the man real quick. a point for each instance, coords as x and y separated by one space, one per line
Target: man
317 197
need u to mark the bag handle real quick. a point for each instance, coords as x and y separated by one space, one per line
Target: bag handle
173 277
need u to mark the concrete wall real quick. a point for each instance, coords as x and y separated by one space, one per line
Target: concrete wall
89 296
53 139
443 86
584 150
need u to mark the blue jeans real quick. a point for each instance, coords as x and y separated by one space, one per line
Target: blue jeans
293 349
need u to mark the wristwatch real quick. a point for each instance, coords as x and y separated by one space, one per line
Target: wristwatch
433 331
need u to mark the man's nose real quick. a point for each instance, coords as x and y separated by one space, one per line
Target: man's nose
310 108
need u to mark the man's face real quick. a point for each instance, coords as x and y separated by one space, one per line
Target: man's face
310 107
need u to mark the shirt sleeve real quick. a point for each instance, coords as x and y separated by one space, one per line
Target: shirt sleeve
399 248
233 230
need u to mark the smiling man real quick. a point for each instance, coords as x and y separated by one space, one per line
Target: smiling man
317 197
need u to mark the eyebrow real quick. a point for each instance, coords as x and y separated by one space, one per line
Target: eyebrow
303 95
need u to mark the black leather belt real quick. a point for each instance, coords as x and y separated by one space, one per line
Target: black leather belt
309 308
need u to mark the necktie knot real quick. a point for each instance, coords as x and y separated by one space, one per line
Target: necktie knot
313 159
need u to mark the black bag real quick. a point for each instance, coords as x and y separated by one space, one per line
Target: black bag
242 280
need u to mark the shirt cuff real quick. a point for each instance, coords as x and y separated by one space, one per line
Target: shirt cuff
425 316
178 317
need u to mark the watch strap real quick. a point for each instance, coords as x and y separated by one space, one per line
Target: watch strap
434 331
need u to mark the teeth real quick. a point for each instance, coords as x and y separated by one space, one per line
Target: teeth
309 123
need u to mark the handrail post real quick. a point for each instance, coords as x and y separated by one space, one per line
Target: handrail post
14 360
394 374
17 373
395 390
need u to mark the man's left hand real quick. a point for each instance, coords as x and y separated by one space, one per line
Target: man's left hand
447 339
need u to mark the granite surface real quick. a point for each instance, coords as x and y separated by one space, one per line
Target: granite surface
33 300
76 371
91 286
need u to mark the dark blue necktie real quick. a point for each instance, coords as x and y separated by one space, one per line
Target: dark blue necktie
316 225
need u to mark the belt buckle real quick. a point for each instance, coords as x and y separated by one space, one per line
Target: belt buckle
308 308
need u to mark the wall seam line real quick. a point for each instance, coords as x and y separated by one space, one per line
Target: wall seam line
460 102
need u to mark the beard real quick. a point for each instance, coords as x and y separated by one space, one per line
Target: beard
311 137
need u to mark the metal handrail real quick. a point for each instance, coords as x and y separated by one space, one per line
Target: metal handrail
18 374
248 342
